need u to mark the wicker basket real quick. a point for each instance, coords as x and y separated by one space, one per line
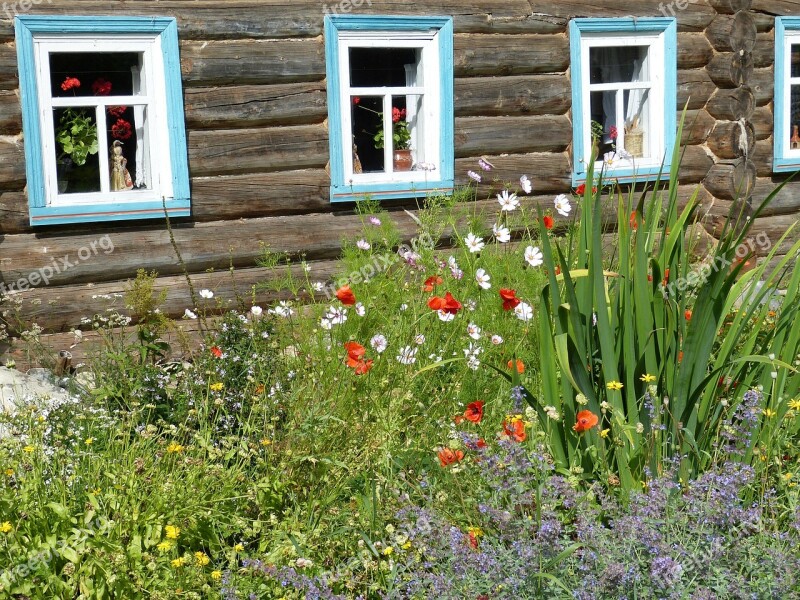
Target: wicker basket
634 143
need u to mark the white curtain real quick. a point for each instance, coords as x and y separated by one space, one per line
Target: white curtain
614 66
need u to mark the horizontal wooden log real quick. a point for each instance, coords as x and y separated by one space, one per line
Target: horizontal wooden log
785 202
227 152
729 7
732 139
730 181
731 69
778 8
732 105
255 105
697 125
762 121
694 51
516 95
8 65
493 54
12 163
261 19
694 87
732 33
475 136
695 164
10 113
549 173
13 213
774 227
762 82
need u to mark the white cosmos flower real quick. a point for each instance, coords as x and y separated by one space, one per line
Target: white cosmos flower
363 245
317 286
524 311
508 202
207 294
407 356
497 340
501 233
473 363
282 309
378 343
445 316
474 331
474 243
562 205
187 314
325 323
419 339
256 311
533 256
482 277
527 187
336 315
360 310
472 350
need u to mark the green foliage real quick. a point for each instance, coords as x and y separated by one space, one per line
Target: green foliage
77 134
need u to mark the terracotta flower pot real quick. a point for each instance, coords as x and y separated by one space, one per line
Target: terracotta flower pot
403 160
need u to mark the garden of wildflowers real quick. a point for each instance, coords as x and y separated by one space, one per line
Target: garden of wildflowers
566 401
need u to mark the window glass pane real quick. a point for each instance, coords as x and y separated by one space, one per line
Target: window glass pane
795 57
794 118
623 64
129 157
367 120
384 67
77 163
604 120
95 74
637 123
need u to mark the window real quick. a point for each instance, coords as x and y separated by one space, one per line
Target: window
786 139
390 106
102 118
624 87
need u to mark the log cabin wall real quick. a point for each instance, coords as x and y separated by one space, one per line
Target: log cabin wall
255 101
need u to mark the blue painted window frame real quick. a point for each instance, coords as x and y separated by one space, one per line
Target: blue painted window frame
611 26
780 161
26 27
343 191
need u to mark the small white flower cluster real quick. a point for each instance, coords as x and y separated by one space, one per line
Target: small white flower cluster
334 316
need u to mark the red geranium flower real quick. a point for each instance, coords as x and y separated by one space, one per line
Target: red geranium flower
548 221
586 419
510 299
612 132
448 304
515 429
474 412
448 456
356 100
101 87
432 282
398 114
70 83
520 366
116 111
121 130
346 295
216 351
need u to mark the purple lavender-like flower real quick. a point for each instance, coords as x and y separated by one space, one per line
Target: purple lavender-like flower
665 571
518 396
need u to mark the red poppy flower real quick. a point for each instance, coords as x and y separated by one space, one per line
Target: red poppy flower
687 314
121 130
216 351
432 282
581 190
515 429
101 87
633 222
346 295
473 540
481 443
116 111
447 456
520 366
448 304
474 412
586 419
510 300
70 83
548 221
355 358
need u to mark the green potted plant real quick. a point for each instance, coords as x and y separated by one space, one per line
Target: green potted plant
76 134
401 140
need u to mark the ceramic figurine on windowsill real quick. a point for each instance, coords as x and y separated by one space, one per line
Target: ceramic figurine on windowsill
120 177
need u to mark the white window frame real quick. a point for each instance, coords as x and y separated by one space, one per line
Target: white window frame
153 97
655 124
787 34
428 89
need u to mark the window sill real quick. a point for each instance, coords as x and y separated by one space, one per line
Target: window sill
390 191
93 213
623 174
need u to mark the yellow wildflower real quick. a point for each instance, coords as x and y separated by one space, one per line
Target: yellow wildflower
88 441
768 412
266 442
216 575
28 449
614 385
9 472
388 551
238 548
202 558
476 531
604 433
647 378
794 404
165 546
217 387
406 546
787 476
172 532
5 527
174 448
178 562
